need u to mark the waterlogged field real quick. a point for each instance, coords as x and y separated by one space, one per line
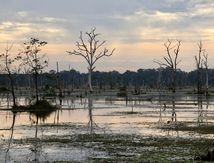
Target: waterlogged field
147 128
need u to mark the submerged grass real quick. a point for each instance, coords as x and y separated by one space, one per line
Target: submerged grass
133 148
126 112
201 129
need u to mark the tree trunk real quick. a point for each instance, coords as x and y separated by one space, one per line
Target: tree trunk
174 80
36 86
13 95
199 81
207 82
12 89
89 79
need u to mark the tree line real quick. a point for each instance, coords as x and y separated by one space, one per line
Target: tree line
144 78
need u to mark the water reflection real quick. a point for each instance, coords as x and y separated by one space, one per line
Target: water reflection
109 113
174 115
162 107
36 149
56 117
91 123
7 155
193 112
173 125
202 110
206 111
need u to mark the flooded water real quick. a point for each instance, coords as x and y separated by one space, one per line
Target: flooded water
20 131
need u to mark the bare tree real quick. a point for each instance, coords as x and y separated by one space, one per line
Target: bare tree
90 50
10 66
199 66
34 60
171 59
205 55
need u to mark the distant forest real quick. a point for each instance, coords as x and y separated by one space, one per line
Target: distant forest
142 78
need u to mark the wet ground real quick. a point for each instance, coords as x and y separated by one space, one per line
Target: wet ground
105 128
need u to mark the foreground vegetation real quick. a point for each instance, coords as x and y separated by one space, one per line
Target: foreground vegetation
132 148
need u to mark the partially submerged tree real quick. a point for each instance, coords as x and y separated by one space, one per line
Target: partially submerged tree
171 60
199 66
35 61
205 55
90 49
9 66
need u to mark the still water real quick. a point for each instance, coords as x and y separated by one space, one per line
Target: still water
98 115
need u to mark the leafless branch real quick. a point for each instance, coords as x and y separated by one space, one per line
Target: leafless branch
90 52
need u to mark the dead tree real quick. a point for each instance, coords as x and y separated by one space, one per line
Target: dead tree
34 60
10 66
90 50
205 55
199 66
171 60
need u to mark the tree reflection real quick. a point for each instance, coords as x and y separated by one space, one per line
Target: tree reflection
202 113
172 124
160 121
200 110
207 108
11 137
36 149
90 114
91 122
174 115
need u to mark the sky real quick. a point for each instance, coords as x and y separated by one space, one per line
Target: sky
136 28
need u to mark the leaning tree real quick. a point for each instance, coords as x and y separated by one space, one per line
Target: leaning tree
34 60
9 66
90 48
171 60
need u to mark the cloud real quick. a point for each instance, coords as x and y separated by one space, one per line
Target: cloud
120 22
22 14
15 31
53 20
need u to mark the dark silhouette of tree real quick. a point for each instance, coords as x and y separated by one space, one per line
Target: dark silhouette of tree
144 78
35 61
171 60
10 66
90 50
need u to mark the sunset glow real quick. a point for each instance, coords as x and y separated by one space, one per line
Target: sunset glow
137 29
